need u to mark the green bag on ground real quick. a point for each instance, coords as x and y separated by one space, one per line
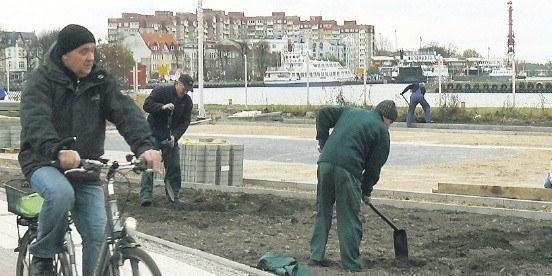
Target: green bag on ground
282 266
29 205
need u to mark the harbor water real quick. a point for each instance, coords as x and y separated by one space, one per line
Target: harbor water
360 94
369 94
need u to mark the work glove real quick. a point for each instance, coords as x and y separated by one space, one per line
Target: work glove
173 140
366 199
168 106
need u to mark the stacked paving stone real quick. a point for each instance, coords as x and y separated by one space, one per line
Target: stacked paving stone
10 132
211 161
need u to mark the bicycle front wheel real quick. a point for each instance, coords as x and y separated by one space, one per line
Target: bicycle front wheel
134 261
23 266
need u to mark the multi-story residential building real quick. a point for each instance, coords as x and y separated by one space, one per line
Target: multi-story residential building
350 43
18 57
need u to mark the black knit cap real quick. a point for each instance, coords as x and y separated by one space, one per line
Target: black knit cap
73 36
388 109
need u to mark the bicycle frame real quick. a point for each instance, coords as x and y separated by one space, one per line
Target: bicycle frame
119 245
69 247
116 235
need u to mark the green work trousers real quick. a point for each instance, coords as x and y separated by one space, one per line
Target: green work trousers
337 185
171 162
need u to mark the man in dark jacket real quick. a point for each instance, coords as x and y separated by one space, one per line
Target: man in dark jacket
348 167
170 112
417 96
72 96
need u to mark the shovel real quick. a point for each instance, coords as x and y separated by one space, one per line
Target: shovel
405 99
399 237
168 188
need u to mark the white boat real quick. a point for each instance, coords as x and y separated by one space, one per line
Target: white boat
501 73
297 70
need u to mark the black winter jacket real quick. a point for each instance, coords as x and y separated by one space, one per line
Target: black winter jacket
158 119
55 105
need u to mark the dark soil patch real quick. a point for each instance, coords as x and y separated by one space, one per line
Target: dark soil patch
243 227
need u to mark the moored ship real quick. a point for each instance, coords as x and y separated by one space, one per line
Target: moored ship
298 69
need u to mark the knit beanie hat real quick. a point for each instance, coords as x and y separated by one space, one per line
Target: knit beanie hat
388 109
73 36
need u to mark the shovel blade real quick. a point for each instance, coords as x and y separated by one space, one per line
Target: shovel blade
169 191
401 244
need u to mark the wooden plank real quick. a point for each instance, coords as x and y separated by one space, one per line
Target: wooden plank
10 150
526 193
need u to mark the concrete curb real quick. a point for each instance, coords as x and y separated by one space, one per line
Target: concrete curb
204 255
405 199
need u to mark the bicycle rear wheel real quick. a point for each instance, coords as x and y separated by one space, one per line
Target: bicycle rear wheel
23 266
135 261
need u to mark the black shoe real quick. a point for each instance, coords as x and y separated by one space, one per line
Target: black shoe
323 263
42 267
146 202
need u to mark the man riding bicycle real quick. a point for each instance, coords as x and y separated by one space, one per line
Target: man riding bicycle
72 96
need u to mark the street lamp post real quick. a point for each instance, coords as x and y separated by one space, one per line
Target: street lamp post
200 37
364 71
513 61
7 76
440 65
245 77
308 78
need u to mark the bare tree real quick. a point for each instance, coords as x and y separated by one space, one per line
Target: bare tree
264 57
44 41
225 49
117 59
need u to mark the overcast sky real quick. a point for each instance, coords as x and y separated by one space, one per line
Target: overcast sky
481 25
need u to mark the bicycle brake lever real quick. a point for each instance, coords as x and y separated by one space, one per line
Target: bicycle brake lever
141 167
129 157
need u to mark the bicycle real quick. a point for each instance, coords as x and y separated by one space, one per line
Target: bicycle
120 253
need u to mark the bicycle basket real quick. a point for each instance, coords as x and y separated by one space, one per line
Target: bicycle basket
22 200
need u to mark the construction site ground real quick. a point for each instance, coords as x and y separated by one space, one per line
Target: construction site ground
445 236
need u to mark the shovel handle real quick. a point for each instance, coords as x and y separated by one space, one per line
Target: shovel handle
405 99
383 217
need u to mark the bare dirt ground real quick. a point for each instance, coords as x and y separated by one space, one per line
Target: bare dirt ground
243 227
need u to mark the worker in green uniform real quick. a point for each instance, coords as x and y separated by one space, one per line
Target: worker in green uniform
348 167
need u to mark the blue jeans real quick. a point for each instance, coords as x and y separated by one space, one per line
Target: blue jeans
415 99
87 205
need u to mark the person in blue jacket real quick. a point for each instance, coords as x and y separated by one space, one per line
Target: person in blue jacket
170 112
350 162
417 96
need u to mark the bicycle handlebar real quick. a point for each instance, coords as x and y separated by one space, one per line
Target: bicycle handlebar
88 165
